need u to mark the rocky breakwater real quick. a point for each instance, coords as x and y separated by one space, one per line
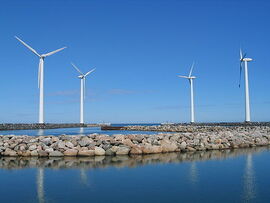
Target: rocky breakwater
101 145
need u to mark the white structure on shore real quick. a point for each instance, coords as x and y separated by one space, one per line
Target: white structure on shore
82 78
245 60
40 77
191 78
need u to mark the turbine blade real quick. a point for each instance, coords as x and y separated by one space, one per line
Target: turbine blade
191 69
53 52
31 49
241 67
180 76
89 72
241 54
77 68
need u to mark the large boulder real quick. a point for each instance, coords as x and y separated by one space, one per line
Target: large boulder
32 147
168 146
183 145
149 149
136 150
85 141
56 154
119 137
47 141
71 152
86 153
9 152
123 150
42 153
34 153
69 144
128 142
99 151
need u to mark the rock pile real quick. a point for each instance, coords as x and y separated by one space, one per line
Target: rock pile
193 139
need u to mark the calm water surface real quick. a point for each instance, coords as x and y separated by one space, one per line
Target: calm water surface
227 176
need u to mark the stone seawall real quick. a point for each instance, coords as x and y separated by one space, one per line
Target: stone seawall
26 126
193 139
207 127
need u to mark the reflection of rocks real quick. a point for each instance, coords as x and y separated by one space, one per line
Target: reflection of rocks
121 161
187 139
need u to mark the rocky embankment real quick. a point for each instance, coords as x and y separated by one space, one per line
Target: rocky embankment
32 126
191 139
195 128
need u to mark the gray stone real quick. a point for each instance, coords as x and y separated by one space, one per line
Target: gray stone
71 152
85 141
32 147
122 151
86 153
99 151
56 154
183 145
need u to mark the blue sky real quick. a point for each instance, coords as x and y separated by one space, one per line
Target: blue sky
138 48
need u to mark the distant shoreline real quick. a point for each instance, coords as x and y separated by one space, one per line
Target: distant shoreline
123 126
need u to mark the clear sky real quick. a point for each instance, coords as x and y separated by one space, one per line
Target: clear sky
138 48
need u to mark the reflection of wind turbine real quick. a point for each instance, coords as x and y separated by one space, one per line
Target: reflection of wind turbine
82 77
83 176
40 76
40 185
245 60
193 173
249 180
81 131
190 78
40 132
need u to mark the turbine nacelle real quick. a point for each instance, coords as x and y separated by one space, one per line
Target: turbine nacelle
81 76
246 59
187 77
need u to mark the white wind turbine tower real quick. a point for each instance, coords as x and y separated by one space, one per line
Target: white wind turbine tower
190 78
245 60
82 78
40 77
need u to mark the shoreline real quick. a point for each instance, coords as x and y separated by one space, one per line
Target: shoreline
188 139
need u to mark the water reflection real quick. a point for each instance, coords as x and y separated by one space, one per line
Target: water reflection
83 177
40 185
249 180
81 131
77 181
40 132
132 161
193 174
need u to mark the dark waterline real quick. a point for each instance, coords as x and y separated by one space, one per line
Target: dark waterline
216 176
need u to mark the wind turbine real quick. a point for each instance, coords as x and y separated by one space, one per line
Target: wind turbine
40 76
245 60
190 78
82 78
